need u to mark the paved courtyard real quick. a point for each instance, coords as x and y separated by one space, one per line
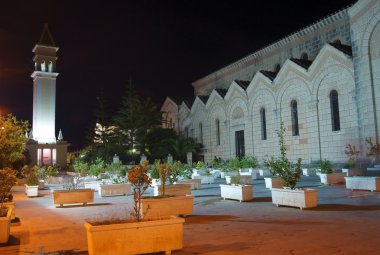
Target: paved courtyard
345 222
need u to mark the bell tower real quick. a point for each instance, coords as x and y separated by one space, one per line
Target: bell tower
43 146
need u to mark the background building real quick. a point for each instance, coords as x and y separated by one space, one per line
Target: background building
322 81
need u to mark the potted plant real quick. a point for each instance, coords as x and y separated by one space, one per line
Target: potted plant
72 194
7 180
237 190
327 174
217 166
350 168
136 235
203 173
168 200
170 173
118 185
290 174
32 181
185 172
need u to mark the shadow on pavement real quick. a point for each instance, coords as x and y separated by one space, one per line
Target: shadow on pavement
343 207
206 219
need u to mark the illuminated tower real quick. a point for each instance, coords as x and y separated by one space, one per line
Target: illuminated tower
43 146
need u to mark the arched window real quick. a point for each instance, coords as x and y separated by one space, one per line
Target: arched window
334 107
50 66
263 124
170 123
43 66
304 56
217 132
294 111
200 132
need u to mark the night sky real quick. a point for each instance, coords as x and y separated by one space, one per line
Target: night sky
162 45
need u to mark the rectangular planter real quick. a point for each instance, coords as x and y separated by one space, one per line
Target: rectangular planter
363 183
114 189
274 182
237 192
11 205
153 208
308 172
5 227
264 172
135 238
244 179
334 178
62 197
205 179
253 172
194 183
173 190
92 185
31 191
215 173
304 198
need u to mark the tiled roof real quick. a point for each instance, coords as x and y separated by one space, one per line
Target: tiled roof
271 75
203 99
346 49
243 84
189 102
302 62
222 92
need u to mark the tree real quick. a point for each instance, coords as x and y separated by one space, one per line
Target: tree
134 119
12 140
157 143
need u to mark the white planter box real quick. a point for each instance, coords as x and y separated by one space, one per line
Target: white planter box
222 174
205 179
264 172
135 238
41 184
155 182
333 178
244 179
92 185
305 198
119 189
31 191
194 183
173 190
156 207
308 172
62 197
11 205
237 192
363 183
5 226
253 172
215 173
199 171
274 182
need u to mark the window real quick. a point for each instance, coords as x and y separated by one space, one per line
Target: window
304 56
263 124
334 106
170 123
200 133
239 143
187 132
294 110
217 132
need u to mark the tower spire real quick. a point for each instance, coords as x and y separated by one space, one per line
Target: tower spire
46 37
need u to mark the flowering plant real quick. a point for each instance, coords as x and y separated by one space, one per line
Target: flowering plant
281 166
140 181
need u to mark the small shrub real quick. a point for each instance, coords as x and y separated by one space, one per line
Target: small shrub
326 167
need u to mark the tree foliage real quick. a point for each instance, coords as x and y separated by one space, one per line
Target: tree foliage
12 140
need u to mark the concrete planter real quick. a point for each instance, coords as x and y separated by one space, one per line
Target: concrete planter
5 226
333 178
237 192
11 205
215 173
31 191
303 198
205 179
308 172
92 185
135 237
41 184
253 172
194 183
244 179
173 190
62 197
120 189
156 207
264 172
197 171
274 182
363 183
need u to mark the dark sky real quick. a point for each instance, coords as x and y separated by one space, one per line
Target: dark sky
163 45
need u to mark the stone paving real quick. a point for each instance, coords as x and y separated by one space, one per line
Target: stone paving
345 222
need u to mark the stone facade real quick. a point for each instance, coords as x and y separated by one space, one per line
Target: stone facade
326 76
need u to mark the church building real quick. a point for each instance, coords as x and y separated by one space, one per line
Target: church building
43 146
322 82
